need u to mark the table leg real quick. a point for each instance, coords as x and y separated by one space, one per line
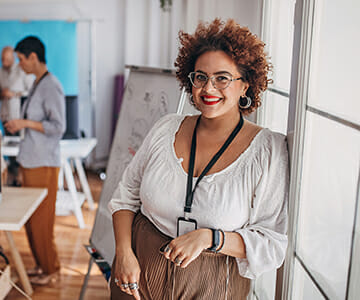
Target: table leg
86 279
72 188
19 265
84 183
61 179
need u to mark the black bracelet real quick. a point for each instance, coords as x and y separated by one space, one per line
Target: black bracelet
215 239
223 241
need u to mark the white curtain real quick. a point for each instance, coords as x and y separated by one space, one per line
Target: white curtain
151 34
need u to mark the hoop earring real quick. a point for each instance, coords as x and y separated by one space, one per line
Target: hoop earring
191 100
248 102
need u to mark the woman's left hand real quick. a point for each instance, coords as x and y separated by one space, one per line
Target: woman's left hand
15 125
187 247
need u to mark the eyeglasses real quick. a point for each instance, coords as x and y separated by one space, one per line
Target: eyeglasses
219 81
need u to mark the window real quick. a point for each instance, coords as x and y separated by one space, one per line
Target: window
324 239
277 33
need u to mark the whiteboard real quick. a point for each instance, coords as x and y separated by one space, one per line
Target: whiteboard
150 93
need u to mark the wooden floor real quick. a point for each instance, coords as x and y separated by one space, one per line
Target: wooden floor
74 258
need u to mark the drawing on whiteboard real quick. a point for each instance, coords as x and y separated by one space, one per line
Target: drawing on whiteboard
130 89
138 131
160 108
164 103
148 97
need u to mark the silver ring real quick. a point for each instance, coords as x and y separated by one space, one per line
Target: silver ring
133 286
167 248
178 261
124 285
116 280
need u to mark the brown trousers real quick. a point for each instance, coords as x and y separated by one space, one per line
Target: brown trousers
160 279
40 226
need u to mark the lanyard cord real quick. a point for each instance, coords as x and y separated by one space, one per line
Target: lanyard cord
189 190
32 93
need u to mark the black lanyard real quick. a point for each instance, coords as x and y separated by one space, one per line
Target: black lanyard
189 190
32 93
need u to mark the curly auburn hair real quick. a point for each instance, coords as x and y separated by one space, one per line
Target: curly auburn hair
245 49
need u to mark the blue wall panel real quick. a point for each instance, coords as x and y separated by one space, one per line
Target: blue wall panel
60 39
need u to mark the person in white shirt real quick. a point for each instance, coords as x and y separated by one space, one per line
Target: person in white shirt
202 207
14 84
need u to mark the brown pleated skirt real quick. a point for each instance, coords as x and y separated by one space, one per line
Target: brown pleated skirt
210 276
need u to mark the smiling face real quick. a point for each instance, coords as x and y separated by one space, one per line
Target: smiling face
213 102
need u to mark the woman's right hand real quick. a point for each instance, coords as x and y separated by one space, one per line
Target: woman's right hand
127 270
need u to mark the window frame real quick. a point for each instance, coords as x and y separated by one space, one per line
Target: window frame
261 119
299 93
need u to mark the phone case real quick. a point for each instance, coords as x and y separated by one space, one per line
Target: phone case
185 225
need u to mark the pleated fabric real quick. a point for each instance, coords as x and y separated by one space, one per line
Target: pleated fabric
210 276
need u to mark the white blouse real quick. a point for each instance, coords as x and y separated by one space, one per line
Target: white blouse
249 196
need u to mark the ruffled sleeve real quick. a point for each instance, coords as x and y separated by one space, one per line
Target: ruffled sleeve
265 234
127 194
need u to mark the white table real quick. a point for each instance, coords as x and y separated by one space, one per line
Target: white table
16 207
71 150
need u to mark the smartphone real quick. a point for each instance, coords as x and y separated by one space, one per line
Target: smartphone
185 225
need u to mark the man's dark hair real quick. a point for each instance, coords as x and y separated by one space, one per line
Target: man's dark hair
31 44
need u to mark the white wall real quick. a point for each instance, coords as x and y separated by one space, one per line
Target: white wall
151 34
107 17
109 62
133 32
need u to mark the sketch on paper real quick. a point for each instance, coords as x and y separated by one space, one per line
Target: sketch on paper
148 97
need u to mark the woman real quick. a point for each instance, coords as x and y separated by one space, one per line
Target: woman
226 225
39 154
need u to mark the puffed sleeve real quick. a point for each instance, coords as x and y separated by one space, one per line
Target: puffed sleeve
127 193
265 234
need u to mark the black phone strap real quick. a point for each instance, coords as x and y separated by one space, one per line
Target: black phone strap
32 93
189 189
